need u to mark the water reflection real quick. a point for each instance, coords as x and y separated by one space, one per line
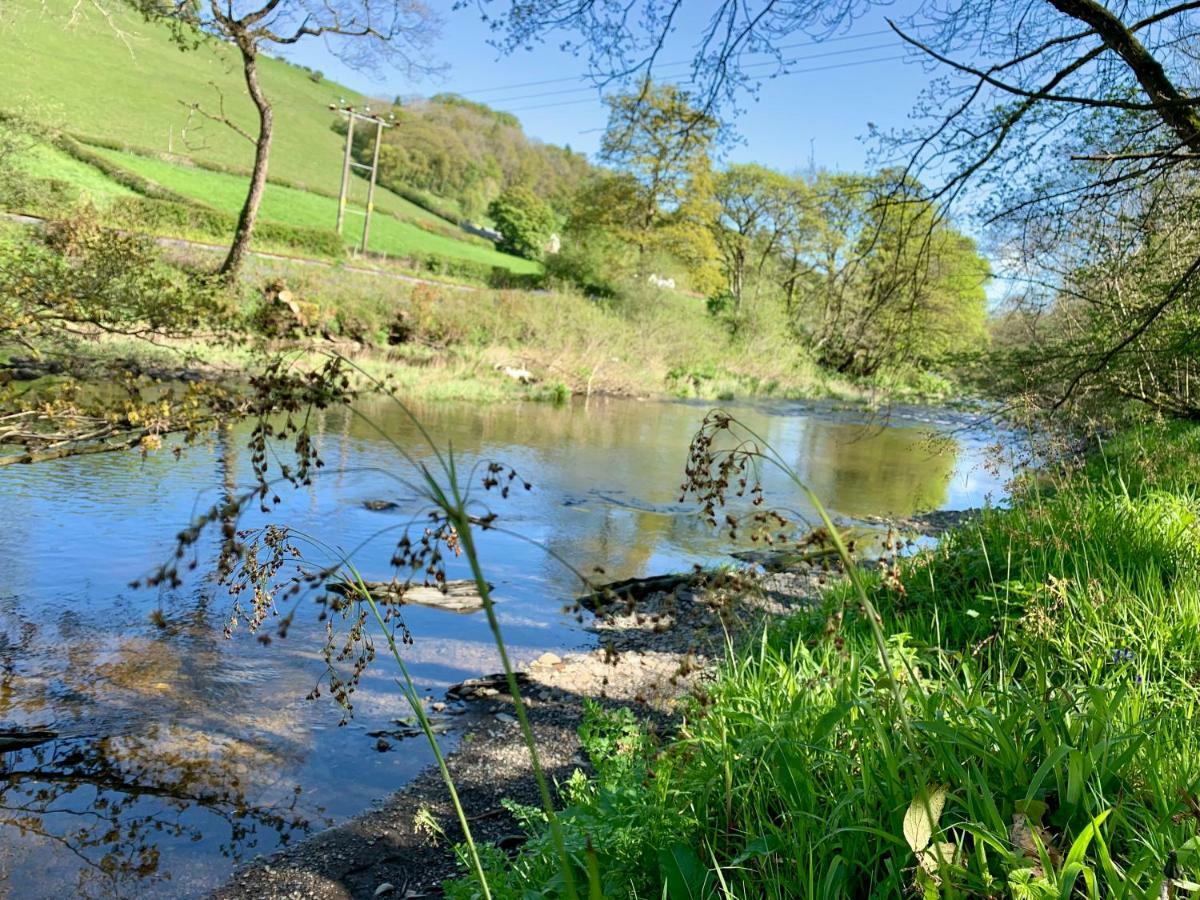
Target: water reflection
172 751
93 788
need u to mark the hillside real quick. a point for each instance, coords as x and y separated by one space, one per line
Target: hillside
143 83
138 119
468 153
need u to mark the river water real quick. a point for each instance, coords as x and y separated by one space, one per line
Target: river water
166 752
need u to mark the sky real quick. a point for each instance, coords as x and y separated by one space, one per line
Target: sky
817 114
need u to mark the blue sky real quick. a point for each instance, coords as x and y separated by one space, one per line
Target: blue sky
854 79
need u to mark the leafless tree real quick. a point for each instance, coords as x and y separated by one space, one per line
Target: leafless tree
362 33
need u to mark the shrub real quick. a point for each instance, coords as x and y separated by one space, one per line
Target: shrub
524 220
85 274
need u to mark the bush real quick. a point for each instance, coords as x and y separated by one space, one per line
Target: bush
524 220
85 274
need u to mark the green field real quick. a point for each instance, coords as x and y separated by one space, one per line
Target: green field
142 82
44 161
289 206
141 103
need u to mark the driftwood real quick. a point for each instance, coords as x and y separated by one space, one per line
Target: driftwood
452 596
638 589
785 560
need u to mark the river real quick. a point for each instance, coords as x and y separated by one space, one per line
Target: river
168 752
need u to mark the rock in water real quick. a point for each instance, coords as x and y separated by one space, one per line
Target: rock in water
638 589
452 596
486 687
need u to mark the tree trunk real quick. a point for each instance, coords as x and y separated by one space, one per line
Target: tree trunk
258 178
1172 106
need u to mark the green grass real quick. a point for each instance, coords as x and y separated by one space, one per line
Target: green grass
289 206
45 162
131 86
1041 665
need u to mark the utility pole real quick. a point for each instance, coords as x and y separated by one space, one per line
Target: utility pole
371 184
352 115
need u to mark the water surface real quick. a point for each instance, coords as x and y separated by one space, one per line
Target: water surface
171 752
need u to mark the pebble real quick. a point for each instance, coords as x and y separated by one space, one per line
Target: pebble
548 659
386 888
505 718
438 707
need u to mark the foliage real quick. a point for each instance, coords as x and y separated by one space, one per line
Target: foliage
525 222
80 283
470 154
1120 336
880 279
84 275
758 210
661 202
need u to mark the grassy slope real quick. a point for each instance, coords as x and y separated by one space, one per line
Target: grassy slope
139 102
141 81
1042 664
293 207
44 161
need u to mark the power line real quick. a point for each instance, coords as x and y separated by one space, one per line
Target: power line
864 62
757 65
683 62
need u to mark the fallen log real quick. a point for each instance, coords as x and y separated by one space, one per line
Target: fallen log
785 560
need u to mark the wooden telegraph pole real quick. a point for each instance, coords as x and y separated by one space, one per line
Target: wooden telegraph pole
353 115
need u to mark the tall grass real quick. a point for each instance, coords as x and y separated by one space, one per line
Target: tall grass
1028 731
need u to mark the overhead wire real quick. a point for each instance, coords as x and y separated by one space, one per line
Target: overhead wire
686 62
845 65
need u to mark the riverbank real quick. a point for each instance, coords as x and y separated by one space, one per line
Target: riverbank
1010 714
431 341
654 660
1030 691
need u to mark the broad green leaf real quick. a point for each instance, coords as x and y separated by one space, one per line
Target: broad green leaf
685 875
922 817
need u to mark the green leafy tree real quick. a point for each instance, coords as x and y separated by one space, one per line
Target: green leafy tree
882 281
525 221
759 211
661 143
468 154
